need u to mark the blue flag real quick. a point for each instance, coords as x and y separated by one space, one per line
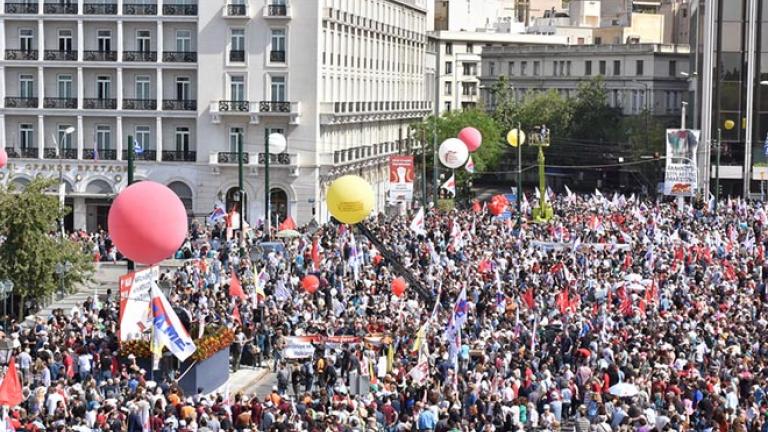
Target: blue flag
138 149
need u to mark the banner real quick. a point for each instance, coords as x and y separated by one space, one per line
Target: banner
298 347
135 295
401 176
167 329
682 172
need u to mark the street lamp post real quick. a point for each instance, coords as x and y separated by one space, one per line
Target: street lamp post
62 187
61 271
275 143
131 157
6 289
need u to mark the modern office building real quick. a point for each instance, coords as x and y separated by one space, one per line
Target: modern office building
191 81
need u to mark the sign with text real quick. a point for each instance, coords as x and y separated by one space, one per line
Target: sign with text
401 177
135 296
682 170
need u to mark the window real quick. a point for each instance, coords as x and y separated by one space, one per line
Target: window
449 48
670 101
580 41
639 67
103 137
142 137
470 69
672 68
469 89
183 88
470 48
448 67
65 40
448 106
617 67
634 100
601 67
598 40
26 40
143 41
237 45
143 88
568 68
104 40
26 136
524 68
277 89
278 42
64 86
588 68
182 139
448 88
103 87
492 68
236 138
511 68
27 86
536 67
555 68
64 139
237 88
183 41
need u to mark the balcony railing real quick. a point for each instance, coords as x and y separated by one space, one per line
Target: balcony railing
236 10
17 54
101 154
140 56
20 102
146 155
53 55
276 159
179 105
180 156
180 56
277 10
65 103
21 8
184 10
11 152
100 56
237 56
277 56
238 106
58 8
29 153
139 104
231 158
95 103
99 9
272 106
51 153
140 9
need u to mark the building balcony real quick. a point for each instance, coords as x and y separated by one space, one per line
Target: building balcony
235 11
277 56
107 56
103 104
139 9
180 10
276 11
179 156
21 102
140 56
56 55
237 56
103 154
180 56
99 9
276 107
22 153
139 104
231 158
234 106
60 9
17 54
179 105
60 103
144 155
53 153
21 8
280 159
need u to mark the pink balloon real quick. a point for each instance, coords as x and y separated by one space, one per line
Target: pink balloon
472 138
3 158
147 222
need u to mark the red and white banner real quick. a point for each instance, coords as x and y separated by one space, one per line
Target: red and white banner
304 346
135 295
401 177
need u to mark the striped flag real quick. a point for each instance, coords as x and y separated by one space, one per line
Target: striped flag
470 166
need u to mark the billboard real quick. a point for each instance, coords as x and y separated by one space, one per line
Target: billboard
682 170
401 177
135 297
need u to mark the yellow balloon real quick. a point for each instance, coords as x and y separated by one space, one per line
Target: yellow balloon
729 124
350 199
512 138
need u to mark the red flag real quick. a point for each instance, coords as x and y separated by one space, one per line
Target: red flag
10 389
316 253
626 306
476 207
236 314
528 298
679 254
563 302
287 224
627 261
235 289
609 299
641 306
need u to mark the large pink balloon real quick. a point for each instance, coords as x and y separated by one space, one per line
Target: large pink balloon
147 222
3 158
471 137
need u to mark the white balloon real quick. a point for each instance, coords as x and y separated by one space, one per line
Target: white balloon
453 153
277 143
334 292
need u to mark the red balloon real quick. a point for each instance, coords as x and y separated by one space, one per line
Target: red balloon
398 287
310 283
472 138
3 157
147 222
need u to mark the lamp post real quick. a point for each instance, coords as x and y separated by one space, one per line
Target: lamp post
682 115
61 271
131 157
62 187
274 144
6 289
728 125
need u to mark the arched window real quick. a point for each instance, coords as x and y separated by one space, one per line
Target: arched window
98 187
279 201
184 193
233 201
19 183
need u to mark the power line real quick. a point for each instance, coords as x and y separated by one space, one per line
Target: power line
577 166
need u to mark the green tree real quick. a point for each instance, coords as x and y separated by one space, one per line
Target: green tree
31 247
593 119
545 108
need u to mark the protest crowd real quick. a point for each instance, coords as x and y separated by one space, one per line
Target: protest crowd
620 315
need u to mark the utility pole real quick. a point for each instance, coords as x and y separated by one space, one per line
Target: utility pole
131 157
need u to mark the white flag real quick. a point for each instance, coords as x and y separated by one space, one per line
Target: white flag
167 330
417 224
450 185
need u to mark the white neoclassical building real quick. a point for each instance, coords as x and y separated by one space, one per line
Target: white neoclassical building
191 80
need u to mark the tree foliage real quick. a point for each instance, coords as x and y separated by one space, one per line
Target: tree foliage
31 247
593 118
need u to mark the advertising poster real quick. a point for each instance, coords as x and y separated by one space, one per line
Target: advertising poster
682 171
135 297
401 177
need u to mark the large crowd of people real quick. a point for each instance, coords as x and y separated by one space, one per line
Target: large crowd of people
619 315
